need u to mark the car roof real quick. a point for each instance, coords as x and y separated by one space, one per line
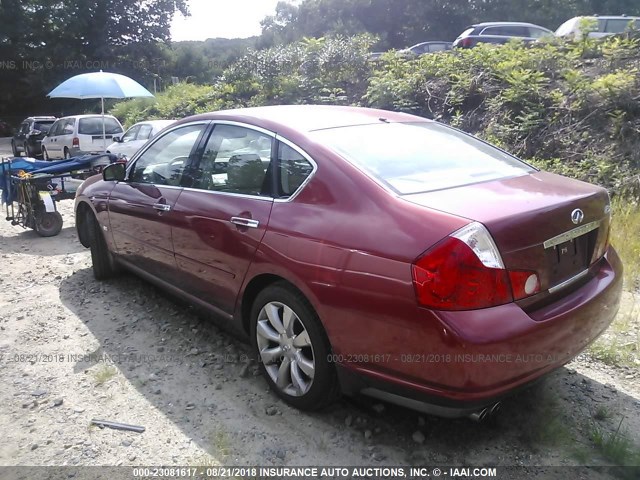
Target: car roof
154 122
500 24
99 115
608 17
40 118
306 118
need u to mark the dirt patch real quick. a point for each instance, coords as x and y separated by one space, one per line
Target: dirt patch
73 349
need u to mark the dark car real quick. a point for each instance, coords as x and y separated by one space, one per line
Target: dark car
363 250
426 47
500 33
28 138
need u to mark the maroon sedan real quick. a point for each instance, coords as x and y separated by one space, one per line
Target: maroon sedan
363 251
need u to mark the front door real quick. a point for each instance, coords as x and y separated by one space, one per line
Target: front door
223 217
141 209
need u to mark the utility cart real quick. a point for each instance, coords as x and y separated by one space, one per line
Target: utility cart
31 188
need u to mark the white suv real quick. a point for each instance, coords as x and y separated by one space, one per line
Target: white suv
605 25
79 134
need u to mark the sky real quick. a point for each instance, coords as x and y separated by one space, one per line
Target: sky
221 18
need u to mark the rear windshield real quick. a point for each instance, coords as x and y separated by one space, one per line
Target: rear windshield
420 157
43 125
93 126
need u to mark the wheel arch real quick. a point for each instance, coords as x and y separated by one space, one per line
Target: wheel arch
82 225
255 286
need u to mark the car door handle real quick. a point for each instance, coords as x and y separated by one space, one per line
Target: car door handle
163 207
245 222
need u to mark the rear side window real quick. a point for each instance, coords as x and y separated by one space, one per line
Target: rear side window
507 31
619 25
537 32
93 126
420 157
293 170
439 47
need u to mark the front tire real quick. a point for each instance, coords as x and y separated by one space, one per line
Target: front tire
104 265
14 149
292 348
45 155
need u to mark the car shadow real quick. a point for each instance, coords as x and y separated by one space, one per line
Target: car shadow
204 381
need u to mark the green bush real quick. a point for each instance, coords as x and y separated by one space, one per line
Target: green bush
569 106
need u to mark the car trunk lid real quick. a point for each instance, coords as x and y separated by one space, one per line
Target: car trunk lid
539 221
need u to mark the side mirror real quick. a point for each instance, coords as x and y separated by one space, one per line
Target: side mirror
114 172
116 139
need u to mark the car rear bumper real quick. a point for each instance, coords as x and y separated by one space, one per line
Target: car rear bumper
481 356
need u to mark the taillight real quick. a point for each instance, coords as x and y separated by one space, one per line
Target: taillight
466 42
465 271
75 142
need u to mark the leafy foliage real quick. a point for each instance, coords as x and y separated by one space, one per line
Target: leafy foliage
401 23
546 103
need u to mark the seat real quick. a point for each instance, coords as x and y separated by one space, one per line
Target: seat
245 174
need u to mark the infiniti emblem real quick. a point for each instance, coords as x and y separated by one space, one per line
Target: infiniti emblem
577 216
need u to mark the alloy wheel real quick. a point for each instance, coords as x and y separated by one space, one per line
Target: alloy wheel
285 349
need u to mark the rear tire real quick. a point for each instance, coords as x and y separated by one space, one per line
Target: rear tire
67 154
27 150
48 224
104 265
292 348
14 149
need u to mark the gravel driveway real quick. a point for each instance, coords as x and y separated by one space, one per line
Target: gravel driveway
73 349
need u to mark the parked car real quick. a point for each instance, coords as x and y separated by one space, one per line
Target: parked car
604 26
29 136
136 137
78 135
500 33
426 47
363 250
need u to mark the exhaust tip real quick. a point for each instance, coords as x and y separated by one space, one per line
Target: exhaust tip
485 413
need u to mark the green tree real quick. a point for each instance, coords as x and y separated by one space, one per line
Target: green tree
43 42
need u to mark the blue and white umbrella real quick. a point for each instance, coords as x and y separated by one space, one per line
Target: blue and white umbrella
99 85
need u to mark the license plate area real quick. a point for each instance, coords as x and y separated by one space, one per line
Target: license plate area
571 257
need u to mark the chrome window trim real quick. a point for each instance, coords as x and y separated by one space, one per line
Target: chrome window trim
569 281
228 194
308 158
264 131
571 234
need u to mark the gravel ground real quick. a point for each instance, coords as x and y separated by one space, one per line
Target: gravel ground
73 349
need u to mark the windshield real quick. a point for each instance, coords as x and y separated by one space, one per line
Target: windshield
420 157
93 126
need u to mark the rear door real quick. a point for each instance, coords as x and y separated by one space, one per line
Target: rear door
222 219
141 209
